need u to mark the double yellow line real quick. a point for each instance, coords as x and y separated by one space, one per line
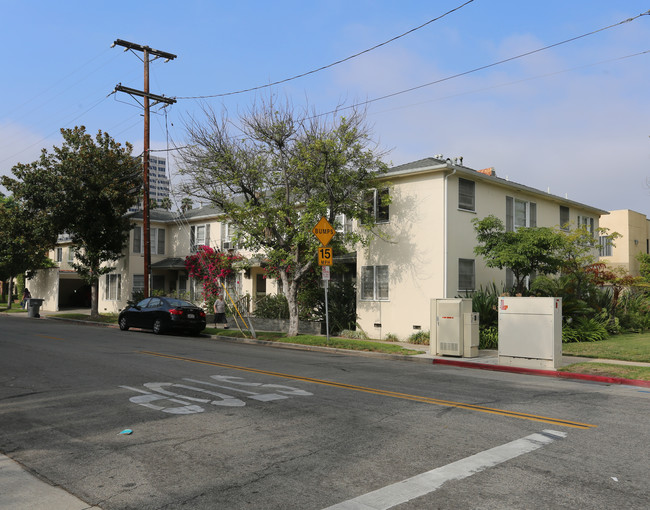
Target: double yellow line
386 393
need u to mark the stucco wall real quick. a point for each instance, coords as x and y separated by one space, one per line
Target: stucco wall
422 254
634 229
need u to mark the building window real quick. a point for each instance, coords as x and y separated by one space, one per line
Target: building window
156 240
378 207
466 195
605 246
59 254
564 217
137 239
586 222
374 283
70 254
342 224
520 213
113 287
138 283
466 275
228 232
199 236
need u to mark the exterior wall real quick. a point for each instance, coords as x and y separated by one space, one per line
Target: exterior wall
45 285
177 245
634 229
425 241
414 253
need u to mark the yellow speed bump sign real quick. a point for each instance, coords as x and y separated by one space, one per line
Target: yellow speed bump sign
324 231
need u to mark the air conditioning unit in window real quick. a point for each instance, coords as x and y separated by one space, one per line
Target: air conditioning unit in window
227 245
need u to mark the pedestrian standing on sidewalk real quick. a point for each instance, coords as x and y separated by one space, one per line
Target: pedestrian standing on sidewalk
220 313
26 295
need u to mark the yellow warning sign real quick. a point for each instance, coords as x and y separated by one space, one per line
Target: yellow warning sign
324 231
325 256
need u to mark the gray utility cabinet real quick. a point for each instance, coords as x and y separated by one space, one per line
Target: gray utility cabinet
530 332
454 328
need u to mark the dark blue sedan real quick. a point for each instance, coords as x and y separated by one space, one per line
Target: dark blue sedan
162 314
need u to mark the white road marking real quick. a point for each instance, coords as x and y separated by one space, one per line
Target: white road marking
419 485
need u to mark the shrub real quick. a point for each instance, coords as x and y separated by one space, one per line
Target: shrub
359 334
419 338
488 337
584 329
273 306
391 337
485 302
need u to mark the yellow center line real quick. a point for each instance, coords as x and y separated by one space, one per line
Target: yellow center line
50 337
387 393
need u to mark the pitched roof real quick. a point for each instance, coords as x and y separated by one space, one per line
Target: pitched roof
431 165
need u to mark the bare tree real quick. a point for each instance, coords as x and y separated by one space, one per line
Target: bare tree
275 173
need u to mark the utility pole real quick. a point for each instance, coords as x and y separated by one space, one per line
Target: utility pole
146 53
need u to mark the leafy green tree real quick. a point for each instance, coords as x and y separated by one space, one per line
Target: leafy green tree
84 188
526 251
275 173
25 238
644 266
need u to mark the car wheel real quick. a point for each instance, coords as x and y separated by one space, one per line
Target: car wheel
158 327
124 326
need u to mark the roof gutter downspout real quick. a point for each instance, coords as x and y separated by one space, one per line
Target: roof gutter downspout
446 240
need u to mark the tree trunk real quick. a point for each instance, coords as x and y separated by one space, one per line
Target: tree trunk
10 297
291 293
94 299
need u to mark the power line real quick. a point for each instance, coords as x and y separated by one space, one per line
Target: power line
482 68
333 63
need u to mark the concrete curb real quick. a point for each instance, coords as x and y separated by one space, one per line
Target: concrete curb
546 373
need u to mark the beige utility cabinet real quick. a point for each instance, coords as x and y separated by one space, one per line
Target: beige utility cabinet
530 332
454 328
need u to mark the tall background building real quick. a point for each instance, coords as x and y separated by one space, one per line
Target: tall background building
158 181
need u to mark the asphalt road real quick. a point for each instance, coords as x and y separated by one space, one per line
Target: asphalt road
218 425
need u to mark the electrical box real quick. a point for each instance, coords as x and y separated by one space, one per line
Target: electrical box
530 332
447 334
471 335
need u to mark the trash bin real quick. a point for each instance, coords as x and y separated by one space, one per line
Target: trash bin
33 306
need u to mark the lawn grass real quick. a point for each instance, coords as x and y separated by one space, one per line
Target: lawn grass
626 347
15 308
609 370
317 340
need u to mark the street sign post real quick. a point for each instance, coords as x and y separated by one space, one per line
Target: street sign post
324 233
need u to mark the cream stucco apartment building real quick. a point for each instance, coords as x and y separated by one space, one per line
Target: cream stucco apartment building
427 249
634 230
173 237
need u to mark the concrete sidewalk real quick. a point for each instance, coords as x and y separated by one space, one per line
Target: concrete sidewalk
20 489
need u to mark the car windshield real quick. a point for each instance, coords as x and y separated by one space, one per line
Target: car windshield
179 302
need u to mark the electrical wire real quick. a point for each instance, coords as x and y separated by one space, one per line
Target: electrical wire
507 84
302 75
481 68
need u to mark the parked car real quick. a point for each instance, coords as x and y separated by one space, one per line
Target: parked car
163 314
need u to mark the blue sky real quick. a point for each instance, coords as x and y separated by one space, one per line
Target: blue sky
572 119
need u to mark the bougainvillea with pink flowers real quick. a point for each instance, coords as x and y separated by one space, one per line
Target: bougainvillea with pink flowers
209 267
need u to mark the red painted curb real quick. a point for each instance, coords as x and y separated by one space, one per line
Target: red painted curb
546 373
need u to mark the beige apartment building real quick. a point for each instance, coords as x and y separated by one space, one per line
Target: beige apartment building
634 230
426 248
173 237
